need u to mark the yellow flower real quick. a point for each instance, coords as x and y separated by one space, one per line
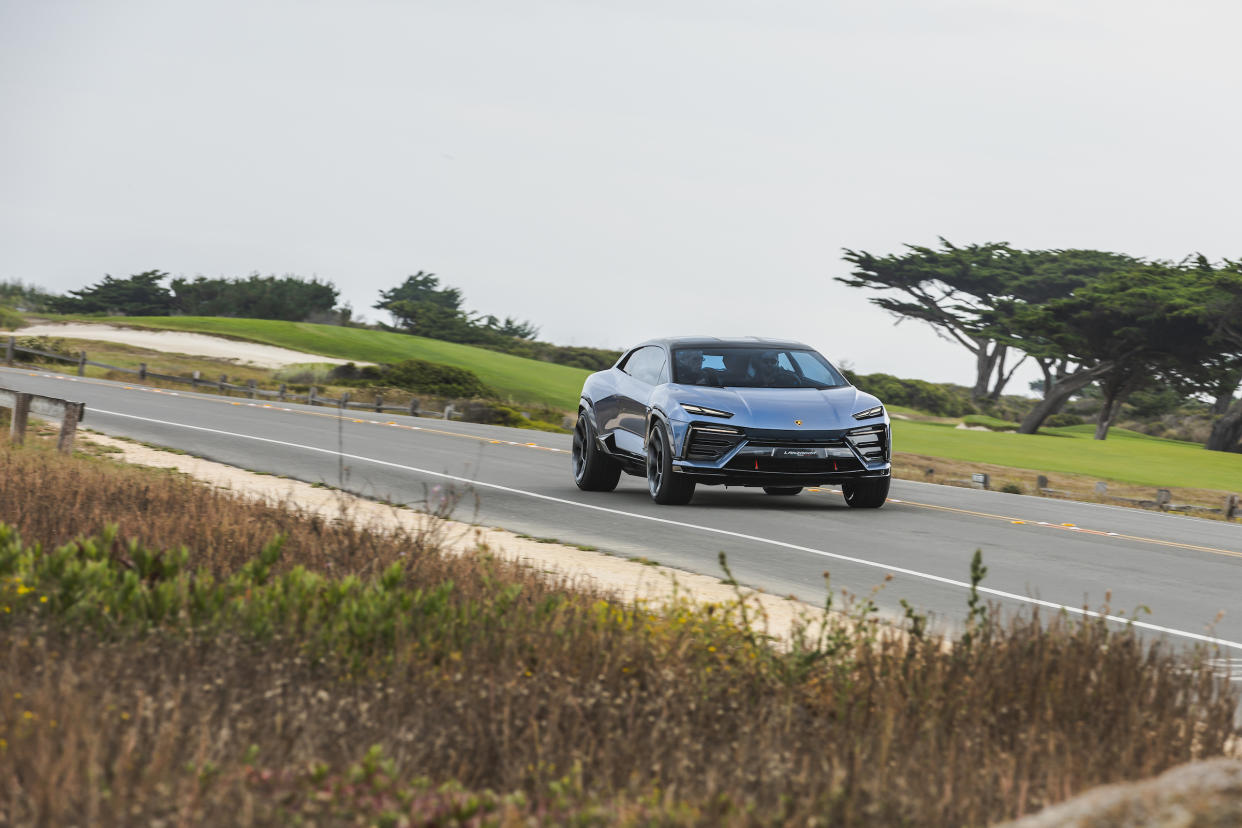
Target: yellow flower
42 599
124 715
27 715
17 695
711 648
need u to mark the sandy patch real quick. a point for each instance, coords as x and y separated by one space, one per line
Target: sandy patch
178 342
627 579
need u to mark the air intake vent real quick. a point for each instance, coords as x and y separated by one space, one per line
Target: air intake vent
871 443
710 444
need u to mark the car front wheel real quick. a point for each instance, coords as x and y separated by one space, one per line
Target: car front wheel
867 493
594 471
666 487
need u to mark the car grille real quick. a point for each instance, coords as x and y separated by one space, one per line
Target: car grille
709 443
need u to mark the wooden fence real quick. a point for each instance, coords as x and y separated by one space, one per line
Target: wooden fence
312 397
24 404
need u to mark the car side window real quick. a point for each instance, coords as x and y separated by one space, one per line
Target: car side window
647 365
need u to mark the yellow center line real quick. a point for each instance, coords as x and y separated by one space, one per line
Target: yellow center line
1069 527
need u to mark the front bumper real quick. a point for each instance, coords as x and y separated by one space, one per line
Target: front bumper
714 453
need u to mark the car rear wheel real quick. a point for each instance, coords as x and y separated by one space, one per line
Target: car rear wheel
666 487
867 493
594 471
782 491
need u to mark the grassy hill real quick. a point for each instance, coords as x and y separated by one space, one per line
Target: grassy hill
522 380
1125 456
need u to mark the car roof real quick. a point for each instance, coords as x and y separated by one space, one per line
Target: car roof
724 342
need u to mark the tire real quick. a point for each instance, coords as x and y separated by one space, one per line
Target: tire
594 471
867 493
782 491
667 488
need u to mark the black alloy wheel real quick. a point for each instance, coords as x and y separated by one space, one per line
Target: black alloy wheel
594 471
782 491
867 493
666 487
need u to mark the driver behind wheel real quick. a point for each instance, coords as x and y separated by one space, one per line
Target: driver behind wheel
770 374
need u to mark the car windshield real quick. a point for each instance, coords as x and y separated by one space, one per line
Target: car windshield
754 368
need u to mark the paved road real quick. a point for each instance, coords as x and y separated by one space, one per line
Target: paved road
1186 570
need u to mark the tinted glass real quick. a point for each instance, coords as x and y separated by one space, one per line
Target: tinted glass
646 364
754 368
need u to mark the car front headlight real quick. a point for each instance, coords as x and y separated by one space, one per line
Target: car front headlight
704 411
867 414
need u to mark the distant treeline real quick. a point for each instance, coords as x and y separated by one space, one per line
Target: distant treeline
257 297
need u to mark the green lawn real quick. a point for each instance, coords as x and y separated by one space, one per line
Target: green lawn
522 380
1125 456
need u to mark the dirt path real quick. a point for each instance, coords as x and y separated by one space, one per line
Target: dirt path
179 342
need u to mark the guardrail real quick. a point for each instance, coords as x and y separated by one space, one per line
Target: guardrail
196 381
24 404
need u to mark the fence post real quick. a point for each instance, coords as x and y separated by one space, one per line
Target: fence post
69 427
21 411
195 378
311 395
142 372
344 400
413 406
251 384
379 403
9 347
81 363
448 411
224 382
1232 507
281 395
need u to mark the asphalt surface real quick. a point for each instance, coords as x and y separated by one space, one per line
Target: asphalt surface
1186 571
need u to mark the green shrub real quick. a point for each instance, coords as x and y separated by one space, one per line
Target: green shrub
991 423
1062 420
46 344
429 378
942 399
10 319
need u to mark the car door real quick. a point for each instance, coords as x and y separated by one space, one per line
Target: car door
640 374
606 401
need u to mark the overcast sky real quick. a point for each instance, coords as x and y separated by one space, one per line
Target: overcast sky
615 171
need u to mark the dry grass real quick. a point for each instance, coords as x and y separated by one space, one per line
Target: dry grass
568 706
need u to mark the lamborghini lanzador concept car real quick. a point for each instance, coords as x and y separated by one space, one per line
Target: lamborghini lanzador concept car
733 412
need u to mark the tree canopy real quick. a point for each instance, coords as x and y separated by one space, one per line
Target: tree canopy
139 295
1084 316
256 297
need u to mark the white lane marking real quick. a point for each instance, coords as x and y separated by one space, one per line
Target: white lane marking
1013 596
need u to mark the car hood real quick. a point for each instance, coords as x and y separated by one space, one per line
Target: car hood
778 408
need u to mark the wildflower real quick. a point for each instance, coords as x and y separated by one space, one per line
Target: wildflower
17 695
124 715
42 599
711 648
27 715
